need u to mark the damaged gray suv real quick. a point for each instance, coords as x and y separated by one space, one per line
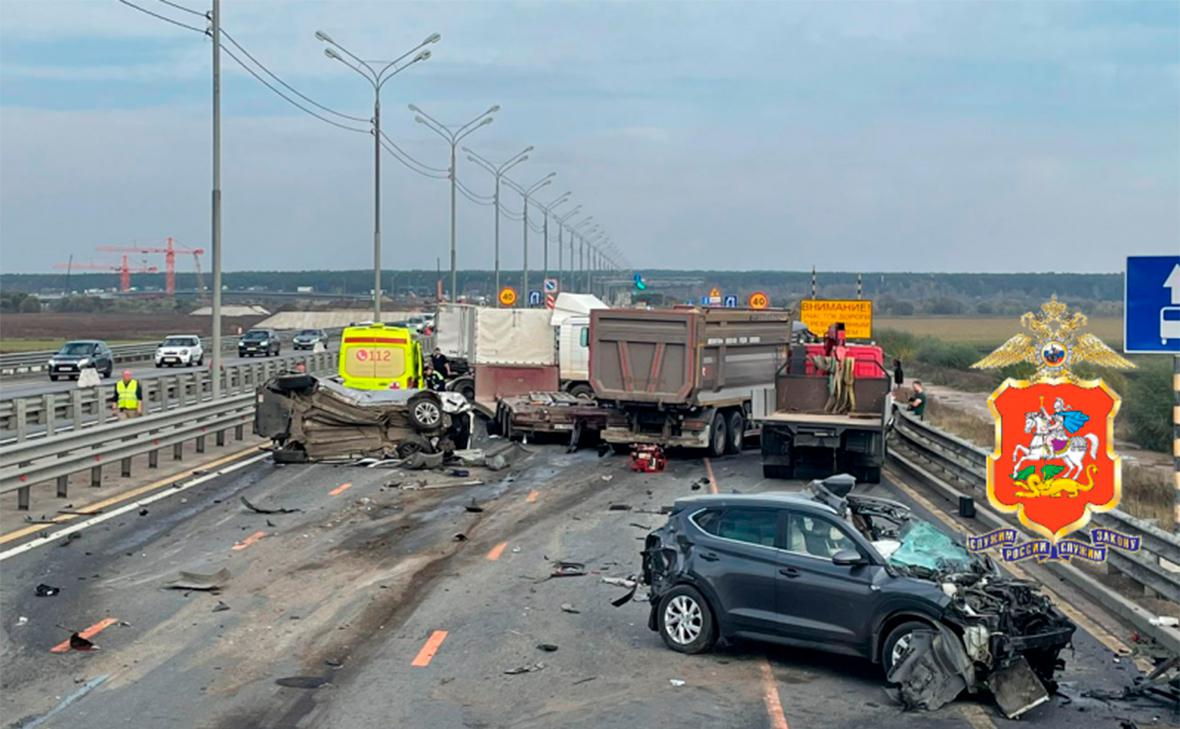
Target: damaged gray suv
855 575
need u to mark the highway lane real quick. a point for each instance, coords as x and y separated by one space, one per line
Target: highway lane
357 587
39 383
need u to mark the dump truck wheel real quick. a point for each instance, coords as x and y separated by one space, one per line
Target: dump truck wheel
582 391
425 412
735 426
718 440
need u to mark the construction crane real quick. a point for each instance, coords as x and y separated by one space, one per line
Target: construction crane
169 250
124 270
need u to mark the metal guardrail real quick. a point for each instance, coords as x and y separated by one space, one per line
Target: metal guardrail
17 363
43 416
56 459
966 463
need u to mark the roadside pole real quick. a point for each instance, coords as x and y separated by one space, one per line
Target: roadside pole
1176 441
215 360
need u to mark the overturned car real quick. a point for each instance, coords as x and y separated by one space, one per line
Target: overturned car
855 575
312 418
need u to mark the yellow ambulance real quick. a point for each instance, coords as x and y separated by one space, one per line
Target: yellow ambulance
380 357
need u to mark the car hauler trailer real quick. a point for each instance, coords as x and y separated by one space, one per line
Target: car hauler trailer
685 376
802 423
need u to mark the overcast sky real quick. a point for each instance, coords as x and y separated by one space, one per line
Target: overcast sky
941 136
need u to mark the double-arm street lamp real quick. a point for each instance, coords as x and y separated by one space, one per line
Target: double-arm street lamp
561 243
498 172
576 231
561 199
526 193
453 137
376 75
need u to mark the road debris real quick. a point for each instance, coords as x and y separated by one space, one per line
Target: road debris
220 607
459 537
200 581
78 643
568 608
458 472
568 569
547 647
43 590
620 581
261 510
619 507
473 507
70 539
677 681
143 512
302 682
525 669
22 620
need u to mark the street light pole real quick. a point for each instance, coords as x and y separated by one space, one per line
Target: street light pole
376 79
559 200
561 244
498 172
453 137
215 361
525 194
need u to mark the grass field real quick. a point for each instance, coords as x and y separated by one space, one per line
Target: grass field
988 330
49 330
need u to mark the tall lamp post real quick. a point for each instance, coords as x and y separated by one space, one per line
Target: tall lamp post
561 199
526 193
498 172
576 231
561 242
453 137
376 78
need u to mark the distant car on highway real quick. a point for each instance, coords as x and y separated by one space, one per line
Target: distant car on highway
308 338
75 356
180 349
259 341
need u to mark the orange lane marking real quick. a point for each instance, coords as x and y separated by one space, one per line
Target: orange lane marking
425 655
496 551
248 541
774 705
93 630
712 478
533 496
340 489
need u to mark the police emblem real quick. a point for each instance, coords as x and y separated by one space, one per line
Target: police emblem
1054 462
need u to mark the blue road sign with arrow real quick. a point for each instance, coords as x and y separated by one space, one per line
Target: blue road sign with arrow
534 298
730 301
1151 305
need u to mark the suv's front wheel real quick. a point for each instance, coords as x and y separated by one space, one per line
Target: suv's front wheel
686 621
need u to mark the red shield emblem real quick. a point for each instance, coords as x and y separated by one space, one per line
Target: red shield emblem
1054 461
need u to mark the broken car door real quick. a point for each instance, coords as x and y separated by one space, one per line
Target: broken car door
737 557
822 601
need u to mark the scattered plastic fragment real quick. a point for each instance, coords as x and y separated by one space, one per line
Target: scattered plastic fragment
459 537
568 569
43 590
259 510
78 643
303 682
525 669
547 647
677 681
568 608
220 607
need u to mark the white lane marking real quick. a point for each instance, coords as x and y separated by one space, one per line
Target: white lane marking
132 506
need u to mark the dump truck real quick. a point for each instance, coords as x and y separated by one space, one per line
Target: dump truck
685 376
828 411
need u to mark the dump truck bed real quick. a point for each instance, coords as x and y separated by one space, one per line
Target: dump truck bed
685 357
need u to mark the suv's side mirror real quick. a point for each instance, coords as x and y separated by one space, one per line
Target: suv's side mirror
848 558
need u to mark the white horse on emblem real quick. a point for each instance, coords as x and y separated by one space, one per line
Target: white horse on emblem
1050 443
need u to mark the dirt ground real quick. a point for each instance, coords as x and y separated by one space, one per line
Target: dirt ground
113 326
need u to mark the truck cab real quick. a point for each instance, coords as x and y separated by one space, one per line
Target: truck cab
380 357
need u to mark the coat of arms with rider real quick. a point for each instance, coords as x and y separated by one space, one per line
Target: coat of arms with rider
1054 461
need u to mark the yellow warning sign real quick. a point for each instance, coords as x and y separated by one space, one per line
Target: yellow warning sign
507 296
855 314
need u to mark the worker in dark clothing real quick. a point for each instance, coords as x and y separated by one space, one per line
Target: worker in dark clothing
440 363
898 375
432 379
127 401
918 401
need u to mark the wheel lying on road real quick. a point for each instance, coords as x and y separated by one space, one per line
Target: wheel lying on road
898 641
425 411
413 444
686 621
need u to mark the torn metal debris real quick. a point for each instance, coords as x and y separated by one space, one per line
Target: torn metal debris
260 510
200 581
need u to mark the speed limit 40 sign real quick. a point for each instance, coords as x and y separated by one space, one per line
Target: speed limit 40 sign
759 300
507 296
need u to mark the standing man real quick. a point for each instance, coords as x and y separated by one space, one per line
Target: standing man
440 363
128 399
918 401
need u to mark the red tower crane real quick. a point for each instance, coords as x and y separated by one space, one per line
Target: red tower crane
169 250
124 269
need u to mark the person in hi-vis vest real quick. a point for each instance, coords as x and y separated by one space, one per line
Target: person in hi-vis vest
128 400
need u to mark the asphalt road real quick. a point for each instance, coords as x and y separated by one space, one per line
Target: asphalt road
38 383
366 588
